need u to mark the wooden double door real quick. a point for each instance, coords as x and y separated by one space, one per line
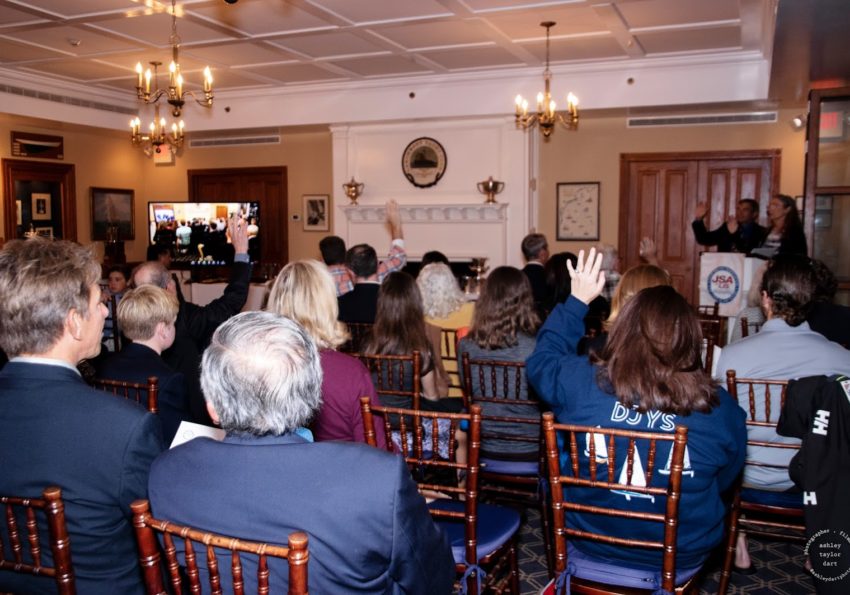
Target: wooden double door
659 193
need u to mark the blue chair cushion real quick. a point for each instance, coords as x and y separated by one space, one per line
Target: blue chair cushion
771 498
496 525
529 468
586 567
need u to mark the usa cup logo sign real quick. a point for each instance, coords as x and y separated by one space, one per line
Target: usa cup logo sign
723 285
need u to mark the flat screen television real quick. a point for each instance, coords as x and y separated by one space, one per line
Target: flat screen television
196 232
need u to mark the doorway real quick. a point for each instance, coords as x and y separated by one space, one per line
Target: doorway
265 185
660 191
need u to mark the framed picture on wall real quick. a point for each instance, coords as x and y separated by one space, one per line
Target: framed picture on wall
578 211
316 212
41 210
112 209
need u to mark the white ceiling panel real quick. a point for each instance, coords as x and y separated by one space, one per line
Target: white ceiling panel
79 70
74 8
465 58
14 51
671 42
382 66
366 11
239 54
64 39
437 34
10 17
296 73
323 45
665 13
155 29
260 17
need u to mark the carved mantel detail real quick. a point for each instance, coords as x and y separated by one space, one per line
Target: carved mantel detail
444 213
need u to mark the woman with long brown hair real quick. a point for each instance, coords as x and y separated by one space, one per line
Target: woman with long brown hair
647 377
785 235
400 329
503 329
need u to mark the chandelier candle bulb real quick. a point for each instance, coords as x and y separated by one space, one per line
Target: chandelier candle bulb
148 81
139 73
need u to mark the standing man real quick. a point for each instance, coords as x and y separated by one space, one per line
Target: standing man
740 233
370 530
55 429
535 249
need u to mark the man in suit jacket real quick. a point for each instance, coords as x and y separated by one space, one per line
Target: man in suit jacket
740 233
369 529
54 429
195 324
361 304
146 315
535 249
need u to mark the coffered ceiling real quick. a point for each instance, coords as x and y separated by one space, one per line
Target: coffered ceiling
617 53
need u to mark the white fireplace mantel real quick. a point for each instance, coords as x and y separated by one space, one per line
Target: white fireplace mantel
445 213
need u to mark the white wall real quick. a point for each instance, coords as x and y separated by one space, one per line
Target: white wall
446 216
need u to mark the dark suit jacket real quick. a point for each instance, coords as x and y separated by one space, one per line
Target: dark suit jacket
369 529
537 277
744 240
56 430
359 304
195 326
135 363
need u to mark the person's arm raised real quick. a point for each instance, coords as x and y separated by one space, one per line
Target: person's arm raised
587 277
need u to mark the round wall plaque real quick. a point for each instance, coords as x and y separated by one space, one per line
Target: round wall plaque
424 162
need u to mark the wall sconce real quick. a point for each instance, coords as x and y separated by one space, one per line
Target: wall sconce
798 122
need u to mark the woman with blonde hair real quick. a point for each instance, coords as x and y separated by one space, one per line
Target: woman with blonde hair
443 302
634 280
304 291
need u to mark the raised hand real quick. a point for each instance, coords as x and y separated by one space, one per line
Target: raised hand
731 224
587 277
701 211
237 227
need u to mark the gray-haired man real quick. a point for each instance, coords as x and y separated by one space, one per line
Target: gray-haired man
369 529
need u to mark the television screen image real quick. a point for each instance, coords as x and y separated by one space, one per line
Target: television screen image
197 231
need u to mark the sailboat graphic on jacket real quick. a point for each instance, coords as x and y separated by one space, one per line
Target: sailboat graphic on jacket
638 477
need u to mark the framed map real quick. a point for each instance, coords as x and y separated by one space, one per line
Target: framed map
578 211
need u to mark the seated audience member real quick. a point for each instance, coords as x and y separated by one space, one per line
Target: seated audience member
433 256
146 316
116 278
333 254
785 348
304 292
785 236
535 250
56 430
648 377
361 303
503 329
634 280
195 324
443 302
826 317
752 312
400 329
739 233
369 529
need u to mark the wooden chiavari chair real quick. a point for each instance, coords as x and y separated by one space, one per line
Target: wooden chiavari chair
143 394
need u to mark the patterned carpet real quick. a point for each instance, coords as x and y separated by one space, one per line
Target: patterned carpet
779 564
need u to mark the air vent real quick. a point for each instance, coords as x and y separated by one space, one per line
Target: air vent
704 120
75 101
234 141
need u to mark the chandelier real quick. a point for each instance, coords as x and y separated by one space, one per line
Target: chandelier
546 115
156 134
175 94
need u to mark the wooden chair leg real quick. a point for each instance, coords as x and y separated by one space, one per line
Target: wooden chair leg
514 548
731 542
546 528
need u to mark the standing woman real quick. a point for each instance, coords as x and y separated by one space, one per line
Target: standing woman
649 377
400 329
304 291
786 234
